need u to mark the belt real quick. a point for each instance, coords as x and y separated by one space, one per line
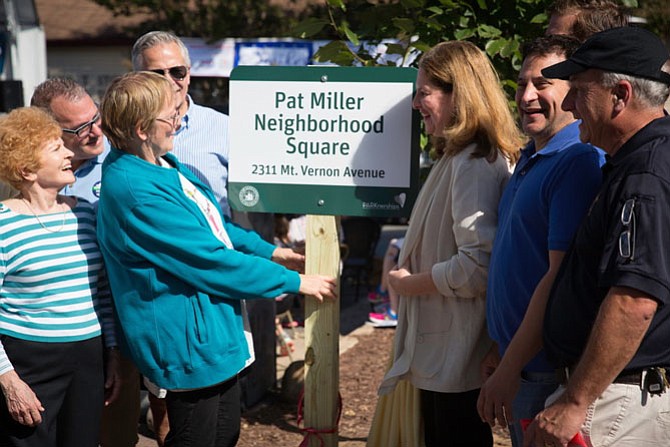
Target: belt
627 378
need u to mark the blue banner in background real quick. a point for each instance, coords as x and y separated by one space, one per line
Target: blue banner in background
273 53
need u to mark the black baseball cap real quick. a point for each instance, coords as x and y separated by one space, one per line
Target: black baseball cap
626 50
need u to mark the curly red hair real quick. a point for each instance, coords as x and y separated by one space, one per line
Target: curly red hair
23 134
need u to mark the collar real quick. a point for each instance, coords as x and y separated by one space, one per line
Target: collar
653 129
90 163
563 139
186 119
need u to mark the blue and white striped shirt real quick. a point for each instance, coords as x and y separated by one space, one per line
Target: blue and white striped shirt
53 286
201 144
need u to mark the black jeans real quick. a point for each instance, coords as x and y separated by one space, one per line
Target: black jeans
451 420
68 380
207 417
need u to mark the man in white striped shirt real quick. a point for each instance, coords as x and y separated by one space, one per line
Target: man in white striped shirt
201 141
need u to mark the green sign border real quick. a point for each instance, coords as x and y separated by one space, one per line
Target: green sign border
321 199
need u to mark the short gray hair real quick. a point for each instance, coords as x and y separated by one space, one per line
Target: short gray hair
150 40
652 93
53 88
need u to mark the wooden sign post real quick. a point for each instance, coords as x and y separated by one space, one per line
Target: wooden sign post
322 331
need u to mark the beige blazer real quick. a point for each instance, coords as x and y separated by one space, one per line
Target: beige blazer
441 338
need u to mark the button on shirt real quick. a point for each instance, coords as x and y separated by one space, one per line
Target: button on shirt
596 262
201 144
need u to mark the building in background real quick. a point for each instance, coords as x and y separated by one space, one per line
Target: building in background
86 42
22 53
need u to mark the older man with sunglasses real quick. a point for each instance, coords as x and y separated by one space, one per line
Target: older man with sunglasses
607 321
201 142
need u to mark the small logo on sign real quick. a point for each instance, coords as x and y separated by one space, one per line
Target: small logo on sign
249 196
400 199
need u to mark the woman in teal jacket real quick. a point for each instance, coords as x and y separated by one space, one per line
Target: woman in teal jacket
178 269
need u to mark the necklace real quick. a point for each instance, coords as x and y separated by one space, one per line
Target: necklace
62 224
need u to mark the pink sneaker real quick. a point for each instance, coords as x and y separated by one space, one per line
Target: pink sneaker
387 319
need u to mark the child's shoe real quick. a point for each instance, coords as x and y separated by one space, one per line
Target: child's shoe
386 319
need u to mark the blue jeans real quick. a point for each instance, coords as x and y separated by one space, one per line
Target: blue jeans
534 389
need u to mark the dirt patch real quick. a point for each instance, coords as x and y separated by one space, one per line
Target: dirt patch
273 422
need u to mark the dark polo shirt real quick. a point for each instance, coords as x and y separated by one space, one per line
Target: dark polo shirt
600 256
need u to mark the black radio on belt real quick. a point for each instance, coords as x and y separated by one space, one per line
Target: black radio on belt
655 381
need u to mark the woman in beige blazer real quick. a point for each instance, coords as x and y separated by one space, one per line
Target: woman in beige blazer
441 336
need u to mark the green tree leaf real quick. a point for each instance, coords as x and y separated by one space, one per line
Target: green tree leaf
336 51
463 34
310 27
337 4
394 48
406 25
488 31
540 18
494 47
353 37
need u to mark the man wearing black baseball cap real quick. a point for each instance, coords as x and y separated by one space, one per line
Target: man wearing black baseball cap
607 322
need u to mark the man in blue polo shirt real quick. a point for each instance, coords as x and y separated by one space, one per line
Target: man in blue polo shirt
72 107
542 205
79 118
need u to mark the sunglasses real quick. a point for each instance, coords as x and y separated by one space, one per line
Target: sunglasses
85 129
177 73
627 237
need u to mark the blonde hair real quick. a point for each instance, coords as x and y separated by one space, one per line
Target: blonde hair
23 134
481 110
133 100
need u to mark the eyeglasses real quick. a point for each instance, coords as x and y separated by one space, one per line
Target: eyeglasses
85 129
177 73
171 120
627 237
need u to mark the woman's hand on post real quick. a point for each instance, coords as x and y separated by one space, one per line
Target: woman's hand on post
318 286
22 403
289 259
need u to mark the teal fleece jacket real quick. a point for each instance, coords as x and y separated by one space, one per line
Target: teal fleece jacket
176 287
